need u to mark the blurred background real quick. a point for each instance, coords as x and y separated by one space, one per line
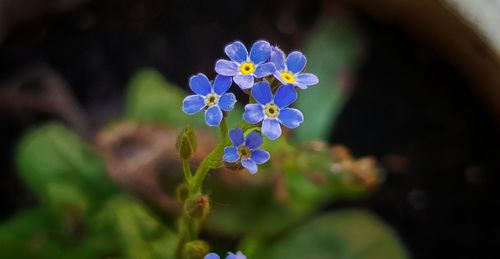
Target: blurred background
414 85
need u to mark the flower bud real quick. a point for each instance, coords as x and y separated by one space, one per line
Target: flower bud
186 143
197 207
182 193
196 249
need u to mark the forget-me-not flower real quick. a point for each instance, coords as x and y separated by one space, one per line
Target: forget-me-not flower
238 255
289 70
246 150
243 67
213 97
273 110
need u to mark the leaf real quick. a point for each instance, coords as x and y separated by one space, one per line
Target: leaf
151 98
349 234
139 233
331 53
60 168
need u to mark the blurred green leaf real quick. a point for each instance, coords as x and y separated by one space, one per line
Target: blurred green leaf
60 168
350 234
331 53
139 233
152 98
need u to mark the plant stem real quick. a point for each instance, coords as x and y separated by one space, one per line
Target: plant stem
186 168
211 161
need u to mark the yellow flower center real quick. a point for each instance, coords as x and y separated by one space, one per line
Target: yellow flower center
247 68
271 110
211 99
244 152
287 77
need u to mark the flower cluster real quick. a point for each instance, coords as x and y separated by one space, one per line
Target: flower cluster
270 78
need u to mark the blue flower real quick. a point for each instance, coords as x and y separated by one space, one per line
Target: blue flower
213 97
238 255
289 71
246 150
244 67
273 110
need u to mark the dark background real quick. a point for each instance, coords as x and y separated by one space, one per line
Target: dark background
409 107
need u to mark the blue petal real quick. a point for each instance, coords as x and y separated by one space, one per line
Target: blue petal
278 58
295 62
221 84
271 128
193 104
250 165
244 81
213 116
231 154
227 101
236 136
238 255
260 51
260 156
253 140
253 113
212 256
200 84
263 70
291 117
306 79
236 51
261 92
285 95
226 67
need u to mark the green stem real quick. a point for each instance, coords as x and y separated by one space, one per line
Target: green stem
186 168
214 158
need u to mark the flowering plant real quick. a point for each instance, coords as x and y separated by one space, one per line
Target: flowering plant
271 83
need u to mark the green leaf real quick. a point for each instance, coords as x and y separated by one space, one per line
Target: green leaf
151 98
349 234
138 232
331 53
60 168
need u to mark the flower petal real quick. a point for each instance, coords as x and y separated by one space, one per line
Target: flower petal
226 67
231 154
236 136
193 104
262 92
278 58
200 84
250 165
236 51
213 116
271 128
212 256
291 117
260 156
238 255
277 75
253 113
306 79
265 69
221 84
260 51
295 62
227 101
253 140
285 95
244 81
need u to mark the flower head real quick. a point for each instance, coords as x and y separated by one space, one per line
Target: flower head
289 70
243 67
238 255
245 150
273 110
212 97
